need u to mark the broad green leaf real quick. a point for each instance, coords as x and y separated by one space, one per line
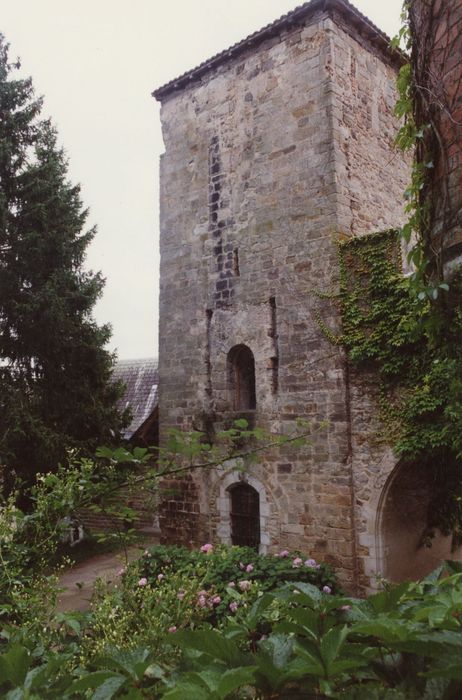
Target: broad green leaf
342 665
233 679
93 680
308 621
450 671
435 574
387 601
133 694
452 566
210 642
313 593
261 604
310 656
438 644
109 688
187 690
279 648
331 643
134 663
14 665
389 630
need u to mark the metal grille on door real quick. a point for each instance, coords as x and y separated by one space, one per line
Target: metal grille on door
245 516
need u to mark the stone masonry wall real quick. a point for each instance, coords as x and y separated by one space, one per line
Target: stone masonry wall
263 168
371 178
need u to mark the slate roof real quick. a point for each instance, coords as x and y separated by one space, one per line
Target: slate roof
296 16
141 378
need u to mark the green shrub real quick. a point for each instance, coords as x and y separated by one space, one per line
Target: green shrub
235 575
133 613
403 643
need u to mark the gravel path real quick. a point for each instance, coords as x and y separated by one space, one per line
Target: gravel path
78 580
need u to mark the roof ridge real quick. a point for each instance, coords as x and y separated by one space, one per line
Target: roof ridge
285 21
136 359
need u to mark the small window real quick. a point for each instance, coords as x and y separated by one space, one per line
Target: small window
245 516
241 378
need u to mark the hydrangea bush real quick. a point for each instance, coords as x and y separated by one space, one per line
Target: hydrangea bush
231 577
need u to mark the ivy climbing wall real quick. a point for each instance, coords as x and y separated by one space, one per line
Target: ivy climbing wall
405 364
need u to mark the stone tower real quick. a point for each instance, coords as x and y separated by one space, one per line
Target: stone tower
273 149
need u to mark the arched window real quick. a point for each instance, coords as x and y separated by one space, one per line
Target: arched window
241 378
245 516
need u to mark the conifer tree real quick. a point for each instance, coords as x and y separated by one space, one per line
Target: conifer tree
55 374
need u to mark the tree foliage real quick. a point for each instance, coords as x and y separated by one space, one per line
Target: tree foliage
55 388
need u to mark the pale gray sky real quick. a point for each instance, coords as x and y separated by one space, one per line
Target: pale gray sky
97 62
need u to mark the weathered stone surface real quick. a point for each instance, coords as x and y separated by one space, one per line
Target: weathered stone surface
268 160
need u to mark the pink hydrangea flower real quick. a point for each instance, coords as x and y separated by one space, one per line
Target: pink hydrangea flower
160 577
206 548
311 563
172 629
143 581
249 568
244 585
326 589
284 553
231 584
216 600
122 571
297 562
233 606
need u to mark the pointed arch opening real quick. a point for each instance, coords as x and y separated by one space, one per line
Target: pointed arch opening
241 378
402 521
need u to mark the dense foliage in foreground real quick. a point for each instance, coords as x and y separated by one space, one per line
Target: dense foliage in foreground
217 623
166 635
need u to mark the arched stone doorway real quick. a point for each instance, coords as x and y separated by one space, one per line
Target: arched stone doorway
243 511
402 519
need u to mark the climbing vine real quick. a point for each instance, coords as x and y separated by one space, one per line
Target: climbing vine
408 330
415 350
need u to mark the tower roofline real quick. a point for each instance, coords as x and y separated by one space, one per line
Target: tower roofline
342 8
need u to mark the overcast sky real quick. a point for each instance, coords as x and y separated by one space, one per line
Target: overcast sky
96 62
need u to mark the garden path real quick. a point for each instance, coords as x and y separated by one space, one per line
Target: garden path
78 580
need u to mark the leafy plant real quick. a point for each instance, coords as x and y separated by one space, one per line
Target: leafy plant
234 575
415 351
